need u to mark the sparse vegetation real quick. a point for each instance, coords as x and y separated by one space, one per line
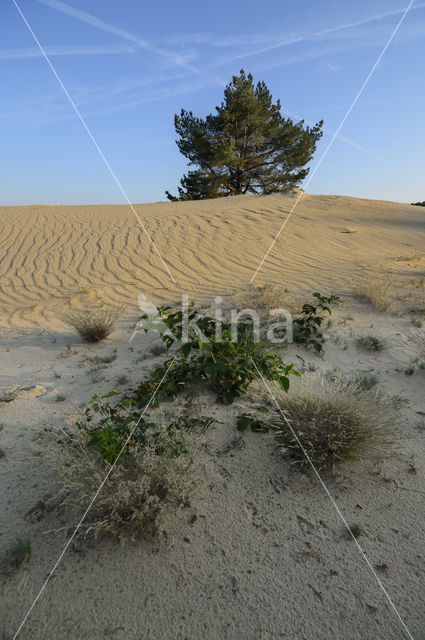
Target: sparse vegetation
417 338
2 453
93 325
265 298
356 531
107 359
307 326
373 343
60 397
366 381
335 422
153 475
122 380
158 349
15 555
409 371
379 291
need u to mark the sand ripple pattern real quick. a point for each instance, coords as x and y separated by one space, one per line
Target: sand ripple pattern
57 256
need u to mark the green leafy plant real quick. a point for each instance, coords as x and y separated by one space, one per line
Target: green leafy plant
249 421
210 352
307 326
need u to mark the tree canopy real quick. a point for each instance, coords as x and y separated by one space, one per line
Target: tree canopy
246 146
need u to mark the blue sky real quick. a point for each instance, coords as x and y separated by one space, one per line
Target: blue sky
129 66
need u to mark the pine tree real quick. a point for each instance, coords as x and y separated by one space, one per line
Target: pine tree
247 146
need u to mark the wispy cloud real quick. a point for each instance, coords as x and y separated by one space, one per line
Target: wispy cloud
173 57
274 42
34 52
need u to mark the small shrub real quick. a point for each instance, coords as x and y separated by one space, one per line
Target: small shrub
2 453
15 556
306 328
409 371
335 422
122 380
227 365
93 325
373 343
60 398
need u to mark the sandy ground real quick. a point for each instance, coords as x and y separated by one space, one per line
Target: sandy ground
261 552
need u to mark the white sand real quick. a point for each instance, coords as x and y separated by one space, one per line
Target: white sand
267 556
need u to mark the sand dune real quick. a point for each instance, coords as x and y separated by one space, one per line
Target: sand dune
54 256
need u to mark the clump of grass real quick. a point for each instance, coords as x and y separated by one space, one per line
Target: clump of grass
379 291
122 379
336 422
107 359
417 338
15 555
366 381
60 398
373 343
158 349
266 297
93 325
2 453
356 531
409 371
412 258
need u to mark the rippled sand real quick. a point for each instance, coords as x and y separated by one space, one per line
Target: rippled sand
57 256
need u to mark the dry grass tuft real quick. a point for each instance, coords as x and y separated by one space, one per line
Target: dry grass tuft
266 297
336 422
418 339
373 343
155 477
379 291
93 325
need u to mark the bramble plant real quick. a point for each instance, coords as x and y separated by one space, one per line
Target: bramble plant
209 352
306 328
